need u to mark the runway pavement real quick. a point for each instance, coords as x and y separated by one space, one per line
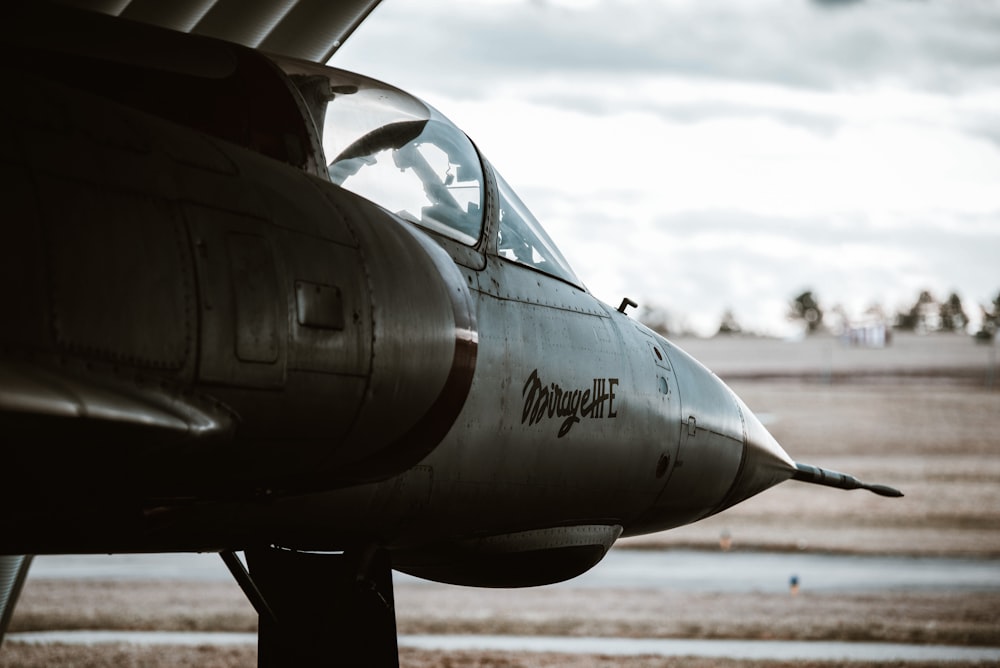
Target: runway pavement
676 570
766 650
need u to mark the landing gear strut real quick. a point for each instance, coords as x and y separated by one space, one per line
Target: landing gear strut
320 609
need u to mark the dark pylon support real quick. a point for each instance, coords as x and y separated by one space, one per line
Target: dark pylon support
325 609
13 573
249 587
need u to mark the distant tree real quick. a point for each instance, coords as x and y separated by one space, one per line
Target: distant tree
991 320
921 317
876 312
953 317
656 318
729 324
842 319
806 308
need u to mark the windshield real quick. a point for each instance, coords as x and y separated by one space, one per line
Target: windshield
523 240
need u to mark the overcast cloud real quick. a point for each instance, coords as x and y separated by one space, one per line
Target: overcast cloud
704 155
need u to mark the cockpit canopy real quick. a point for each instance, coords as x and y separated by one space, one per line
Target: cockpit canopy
391 148
422 170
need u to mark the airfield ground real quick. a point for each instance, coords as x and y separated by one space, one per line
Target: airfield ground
920 415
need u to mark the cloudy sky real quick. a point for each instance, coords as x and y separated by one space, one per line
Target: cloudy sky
704 155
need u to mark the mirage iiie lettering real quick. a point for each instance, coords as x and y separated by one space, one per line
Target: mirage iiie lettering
547 401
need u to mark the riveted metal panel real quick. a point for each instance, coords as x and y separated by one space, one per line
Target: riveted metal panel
509 280
255 297
243 306
120 278
331 331
22 274
712 437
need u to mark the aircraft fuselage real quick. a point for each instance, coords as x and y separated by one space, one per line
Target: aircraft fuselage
212 342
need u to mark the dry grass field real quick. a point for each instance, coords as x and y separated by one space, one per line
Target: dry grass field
926 423
922 415
124 656
929 617
939 443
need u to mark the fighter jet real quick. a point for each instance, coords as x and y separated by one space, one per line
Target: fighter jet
255 304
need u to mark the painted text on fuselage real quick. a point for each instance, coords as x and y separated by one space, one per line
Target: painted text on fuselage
547 401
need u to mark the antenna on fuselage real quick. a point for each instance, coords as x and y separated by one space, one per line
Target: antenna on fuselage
626 302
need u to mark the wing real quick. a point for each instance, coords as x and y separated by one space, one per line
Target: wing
307 29
52 402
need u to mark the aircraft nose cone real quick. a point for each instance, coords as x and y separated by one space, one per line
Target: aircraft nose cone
724 454
765 463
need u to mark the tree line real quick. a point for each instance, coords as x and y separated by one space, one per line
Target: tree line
926 315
